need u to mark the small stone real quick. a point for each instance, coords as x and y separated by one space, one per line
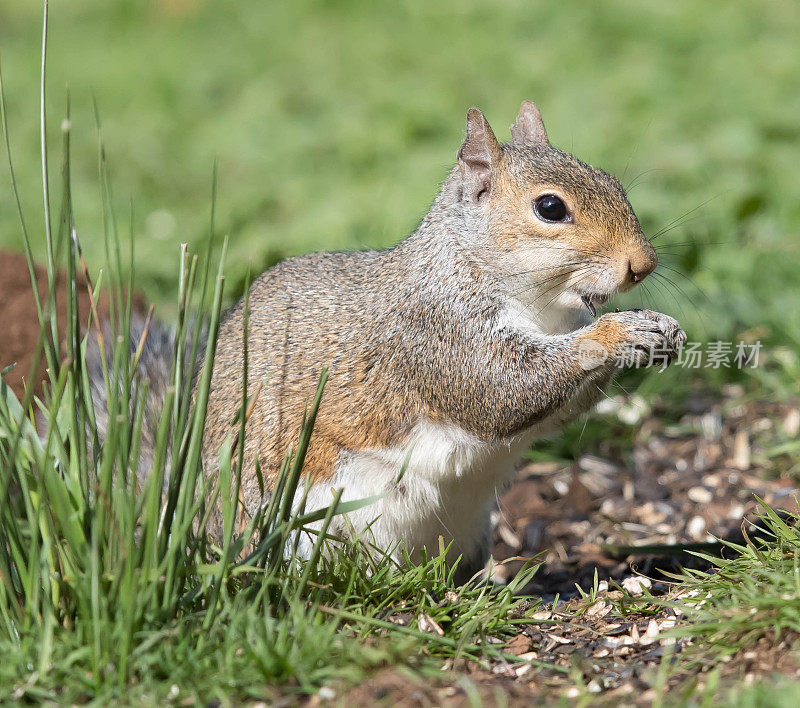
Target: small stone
700 495
635 585
522 670
736 511
561 486
326 693
594 686
520 644
696 527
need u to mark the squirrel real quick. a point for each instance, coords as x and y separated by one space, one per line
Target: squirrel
449 353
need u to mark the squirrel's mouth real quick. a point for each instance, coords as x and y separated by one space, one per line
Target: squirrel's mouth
592 302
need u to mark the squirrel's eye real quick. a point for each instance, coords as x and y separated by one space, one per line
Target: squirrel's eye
549 207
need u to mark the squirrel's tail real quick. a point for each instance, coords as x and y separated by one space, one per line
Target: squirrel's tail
154 370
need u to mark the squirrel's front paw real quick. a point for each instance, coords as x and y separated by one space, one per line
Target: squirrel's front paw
637 337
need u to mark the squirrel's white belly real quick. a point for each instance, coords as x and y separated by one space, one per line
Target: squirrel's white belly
441 482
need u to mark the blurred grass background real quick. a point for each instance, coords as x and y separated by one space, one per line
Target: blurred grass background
333 123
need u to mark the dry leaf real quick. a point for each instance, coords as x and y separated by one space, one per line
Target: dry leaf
426 623
741 450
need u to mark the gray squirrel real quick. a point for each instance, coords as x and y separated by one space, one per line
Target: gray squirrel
449 353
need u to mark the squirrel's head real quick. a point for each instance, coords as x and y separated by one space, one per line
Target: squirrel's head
564 225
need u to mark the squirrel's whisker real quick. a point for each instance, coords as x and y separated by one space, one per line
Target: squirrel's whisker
686 278
661 285
544 280
677 225
565 275
635 183
549 302
664 279
583 269
682 216
685 244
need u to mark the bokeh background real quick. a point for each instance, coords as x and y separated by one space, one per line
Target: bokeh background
333 123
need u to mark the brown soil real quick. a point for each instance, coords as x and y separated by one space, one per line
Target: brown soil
615 669
19 324
686 483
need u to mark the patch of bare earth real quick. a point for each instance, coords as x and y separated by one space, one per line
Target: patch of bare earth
686 483
614 663
19 322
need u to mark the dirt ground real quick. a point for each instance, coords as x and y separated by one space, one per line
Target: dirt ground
607 513
19 324
682 484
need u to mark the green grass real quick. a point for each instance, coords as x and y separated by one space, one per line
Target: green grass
331 124
109 590
750 602
754 595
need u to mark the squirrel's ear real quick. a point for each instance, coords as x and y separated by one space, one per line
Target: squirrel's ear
478 156
529 126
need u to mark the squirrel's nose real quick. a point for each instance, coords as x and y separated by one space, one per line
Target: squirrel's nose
641 264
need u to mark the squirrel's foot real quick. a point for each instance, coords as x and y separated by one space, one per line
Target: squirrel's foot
654 339
636 338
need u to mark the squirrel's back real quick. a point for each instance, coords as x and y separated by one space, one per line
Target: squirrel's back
313 312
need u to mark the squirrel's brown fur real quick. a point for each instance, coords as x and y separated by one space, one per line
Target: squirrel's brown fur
448 353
